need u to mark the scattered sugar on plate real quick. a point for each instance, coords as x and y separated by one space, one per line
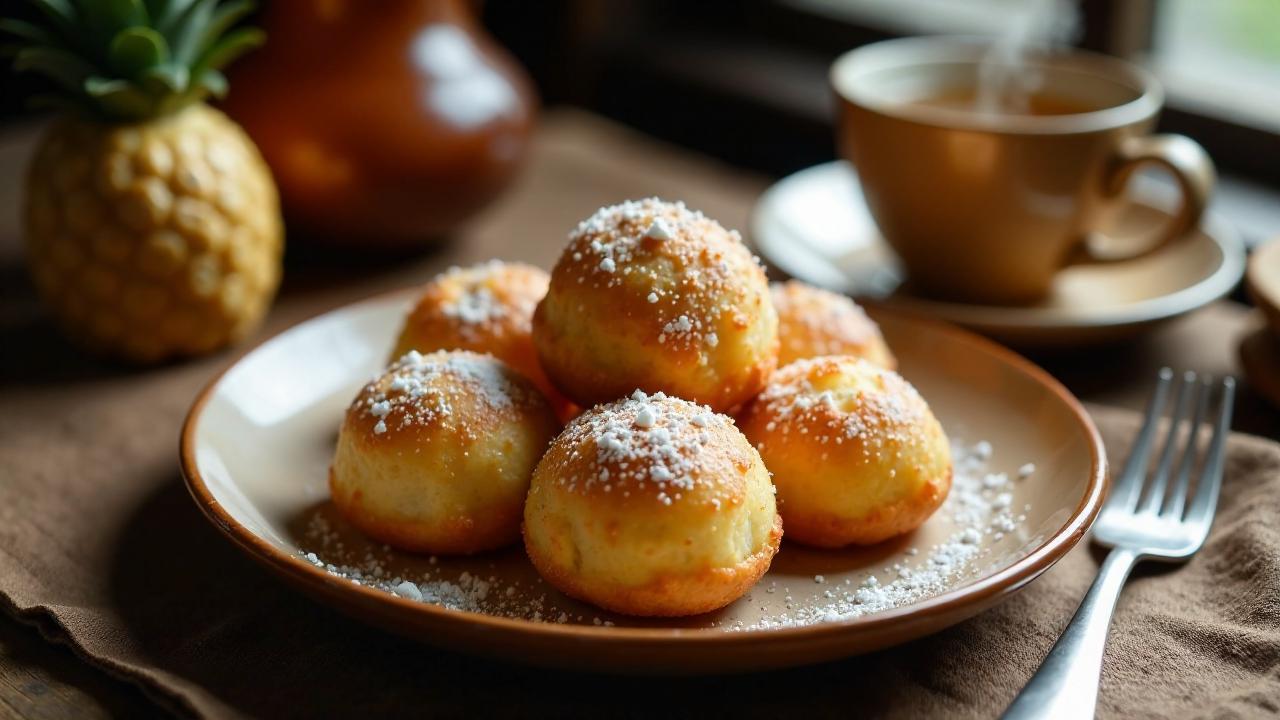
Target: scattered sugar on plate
977 506
407 590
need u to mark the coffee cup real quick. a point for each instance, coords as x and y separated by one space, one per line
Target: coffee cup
986 201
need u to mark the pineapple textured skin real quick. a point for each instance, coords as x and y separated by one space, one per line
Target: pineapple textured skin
157 239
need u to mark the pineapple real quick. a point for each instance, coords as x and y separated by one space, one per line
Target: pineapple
152 223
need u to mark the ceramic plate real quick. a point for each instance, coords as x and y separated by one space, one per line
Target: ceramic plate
814 225
257 443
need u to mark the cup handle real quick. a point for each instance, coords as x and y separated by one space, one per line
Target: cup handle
1189 164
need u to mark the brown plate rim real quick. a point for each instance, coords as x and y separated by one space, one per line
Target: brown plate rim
1006 581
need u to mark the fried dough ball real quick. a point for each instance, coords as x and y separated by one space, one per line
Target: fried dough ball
485 308
652 295
653 506
435 455
813 322
856 454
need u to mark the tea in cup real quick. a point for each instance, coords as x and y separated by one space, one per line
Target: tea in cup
985 199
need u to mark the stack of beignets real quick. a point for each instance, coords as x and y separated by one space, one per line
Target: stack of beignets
651 502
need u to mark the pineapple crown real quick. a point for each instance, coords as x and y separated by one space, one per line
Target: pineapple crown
129 60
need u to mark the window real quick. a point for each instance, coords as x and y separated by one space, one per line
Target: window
732 72
1221 57
1218 59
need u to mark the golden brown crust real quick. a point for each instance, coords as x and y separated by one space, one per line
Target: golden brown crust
651 295
463 391
829 530
841 401
651 506
435 455
813 322
485 308
498 525
856 455
667 595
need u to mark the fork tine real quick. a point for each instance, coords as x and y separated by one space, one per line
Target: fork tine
1124 493
1154 496
1206 499
1178 495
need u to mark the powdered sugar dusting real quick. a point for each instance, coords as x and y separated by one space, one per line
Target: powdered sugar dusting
644 442
978 507
414 389
793 403
616 247
475 308
821 322
658 230
478 302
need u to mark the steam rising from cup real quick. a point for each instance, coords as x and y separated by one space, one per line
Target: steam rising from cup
1006 81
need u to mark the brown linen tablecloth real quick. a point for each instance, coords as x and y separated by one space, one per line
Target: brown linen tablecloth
103 549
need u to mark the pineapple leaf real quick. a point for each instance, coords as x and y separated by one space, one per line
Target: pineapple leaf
60 66
224 17
166 12
135 50
167 79
156 10
185 34
64 21
61 13
130 59
192 92
105 18
96 85
28 33
228 48
119 99
128 13
214 83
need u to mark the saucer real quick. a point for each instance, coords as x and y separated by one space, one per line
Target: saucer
814 226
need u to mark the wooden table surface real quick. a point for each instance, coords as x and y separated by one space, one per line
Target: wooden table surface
43 679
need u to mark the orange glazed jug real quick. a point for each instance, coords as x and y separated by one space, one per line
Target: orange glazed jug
385 123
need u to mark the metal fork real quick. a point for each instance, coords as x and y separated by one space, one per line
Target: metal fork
1141 520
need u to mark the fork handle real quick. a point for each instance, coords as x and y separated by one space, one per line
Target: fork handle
1066 685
